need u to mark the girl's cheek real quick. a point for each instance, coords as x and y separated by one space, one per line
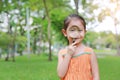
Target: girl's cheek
70 39
82 34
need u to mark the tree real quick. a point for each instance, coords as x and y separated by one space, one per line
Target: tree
43 21
49 29
76 5
108 11
12 9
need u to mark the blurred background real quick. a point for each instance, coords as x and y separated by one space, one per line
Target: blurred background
30 34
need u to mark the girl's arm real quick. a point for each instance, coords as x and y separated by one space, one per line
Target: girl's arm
63 64
95 70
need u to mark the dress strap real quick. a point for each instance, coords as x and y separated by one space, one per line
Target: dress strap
87 50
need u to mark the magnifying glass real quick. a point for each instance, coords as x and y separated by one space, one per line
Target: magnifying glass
74 36
73 32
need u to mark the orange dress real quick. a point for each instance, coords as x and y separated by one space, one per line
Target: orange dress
80 66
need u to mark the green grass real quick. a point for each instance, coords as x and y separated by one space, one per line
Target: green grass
39 68
109 68
109 51
32 68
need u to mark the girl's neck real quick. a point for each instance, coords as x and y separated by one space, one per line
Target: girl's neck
79 44
80 48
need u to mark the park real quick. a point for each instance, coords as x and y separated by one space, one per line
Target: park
31 36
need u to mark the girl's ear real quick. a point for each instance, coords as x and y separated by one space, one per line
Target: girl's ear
64 32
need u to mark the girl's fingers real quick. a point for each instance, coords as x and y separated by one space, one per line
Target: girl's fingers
76 41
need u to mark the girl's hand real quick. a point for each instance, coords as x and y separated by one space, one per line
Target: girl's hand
71 48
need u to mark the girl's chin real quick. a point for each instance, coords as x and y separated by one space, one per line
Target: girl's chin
77 43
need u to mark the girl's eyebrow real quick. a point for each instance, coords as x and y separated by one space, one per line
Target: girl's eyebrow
75 26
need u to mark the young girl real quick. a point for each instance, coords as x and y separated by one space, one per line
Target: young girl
77 61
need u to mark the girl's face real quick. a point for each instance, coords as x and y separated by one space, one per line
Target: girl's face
75 31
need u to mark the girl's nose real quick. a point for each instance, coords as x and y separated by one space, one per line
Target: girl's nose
75 34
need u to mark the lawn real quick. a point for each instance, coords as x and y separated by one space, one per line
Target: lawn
109 68
39 68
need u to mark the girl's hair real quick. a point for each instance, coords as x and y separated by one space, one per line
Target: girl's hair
69 18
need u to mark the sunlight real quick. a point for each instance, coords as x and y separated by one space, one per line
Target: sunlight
108 24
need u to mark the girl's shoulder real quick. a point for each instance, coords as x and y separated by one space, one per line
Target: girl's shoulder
63 51
88 49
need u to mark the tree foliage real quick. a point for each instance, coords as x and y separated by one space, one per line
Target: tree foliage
57 12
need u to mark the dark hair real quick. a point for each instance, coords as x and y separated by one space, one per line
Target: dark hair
69 18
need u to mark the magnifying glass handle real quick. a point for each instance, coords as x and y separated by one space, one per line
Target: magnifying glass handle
73 40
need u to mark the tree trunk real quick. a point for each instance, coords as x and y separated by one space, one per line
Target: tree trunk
13 54
7 57
0 55
118 50
39 49
117 43
9 52
76 5
35 40
117 37
34 46
22 31
48 29
21 53
13 44
10 45
9 32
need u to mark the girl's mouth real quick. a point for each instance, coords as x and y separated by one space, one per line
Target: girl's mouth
75 39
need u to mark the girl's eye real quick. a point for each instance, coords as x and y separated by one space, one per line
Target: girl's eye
72 30
80 30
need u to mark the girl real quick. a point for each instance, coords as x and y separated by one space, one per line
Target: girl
77 61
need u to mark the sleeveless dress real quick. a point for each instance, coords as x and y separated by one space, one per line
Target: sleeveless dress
79 66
